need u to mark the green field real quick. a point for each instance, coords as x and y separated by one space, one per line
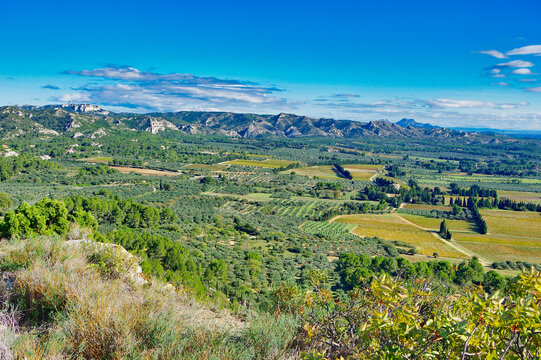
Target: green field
446 178
390 227
322 171
320 227
268 163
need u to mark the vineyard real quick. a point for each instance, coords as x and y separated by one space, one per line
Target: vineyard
327 228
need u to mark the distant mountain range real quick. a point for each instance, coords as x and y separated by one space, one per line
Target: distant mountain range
76 120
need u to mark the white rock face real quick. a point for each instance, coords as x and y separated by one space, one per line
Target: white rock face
45 157
154 126
77 134
10 153
46 131
86 108
98 133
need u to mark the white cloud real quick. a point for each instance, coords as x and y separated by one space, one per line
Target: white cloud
535 89
526 50
502 83
522 71
128 87
516 64
75 97
494 53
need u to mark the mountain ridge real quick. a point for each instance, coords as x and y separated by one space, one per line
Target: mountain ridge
88 120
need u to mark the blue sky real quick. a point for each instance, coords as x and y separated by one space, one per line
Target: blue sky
459 63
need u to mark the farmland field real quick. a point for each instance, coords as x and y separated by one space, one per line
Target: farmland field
427 207
434 224
358 171
502 252
315 227
532 197
269 163
515 223
363 172
390 227
147 172
98 160
214 167
322 171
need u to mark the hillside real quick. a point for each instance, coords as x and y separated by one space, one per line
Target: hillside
94 122
80 300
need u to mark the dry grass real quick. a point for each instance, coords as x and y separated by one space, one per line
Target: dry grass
390 227
69 310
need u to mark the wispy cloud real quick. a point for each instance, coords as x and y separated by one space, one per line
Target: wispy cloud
515 64
534 89
50 87
526 50
345 95
522 71
399 104
494 53
128 87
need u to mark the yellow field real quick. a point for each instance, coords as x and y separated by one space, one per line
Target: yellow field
434 224
498 239
390 227
358 171
514 223
214 167
363 172
269 163
513 235
501 252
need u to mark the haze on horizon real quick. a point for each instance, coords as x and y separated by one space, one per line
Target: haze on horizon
453 64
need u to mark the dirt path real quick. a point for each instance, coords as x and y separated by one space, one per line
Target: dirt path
437 236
